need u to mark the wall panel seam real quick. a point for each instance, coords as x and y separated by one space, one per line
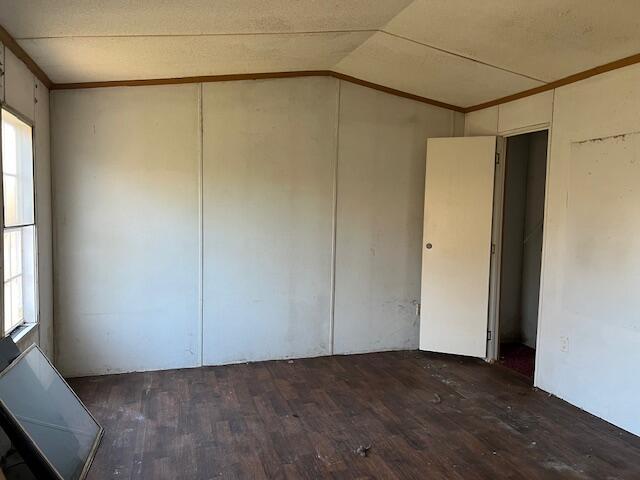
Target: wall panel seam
334 223
201 225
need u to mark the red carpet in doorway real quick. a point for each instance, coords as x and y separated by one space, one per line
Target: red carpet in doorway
518 357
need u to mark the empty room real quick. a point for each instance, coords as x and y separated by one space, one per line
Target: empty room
312 239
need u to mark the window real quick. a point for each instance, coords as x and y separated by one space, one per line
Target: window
19 240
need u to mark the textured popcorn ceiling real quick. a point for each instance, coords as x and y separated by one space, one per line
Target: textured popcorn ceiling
457 51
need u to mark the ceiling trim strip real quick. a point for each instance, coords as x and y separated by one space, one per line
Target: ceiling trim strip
256 76
18 51
393 91
195 79
576 77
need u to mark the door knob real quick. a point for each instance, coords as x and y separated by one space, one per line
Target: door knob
429 246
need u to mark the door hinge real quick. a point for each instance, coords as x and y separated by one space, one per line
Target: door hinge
418 309
497 158
493 248
488 334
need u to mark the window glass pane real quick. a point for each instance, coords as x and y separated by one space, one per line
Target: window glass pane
10 195
17 171
7 257
20 253
47 409
17 310
10 151
19 277
9 322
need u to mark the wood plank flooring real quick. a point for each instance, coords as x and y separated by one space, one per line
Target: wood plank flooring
425 416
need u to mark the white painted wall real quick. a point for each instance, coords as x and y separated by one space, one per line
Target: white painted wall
127 180
589 329
269 163
591 261
24 93
535 110
126 176
19 85
381 166
525 114
481 122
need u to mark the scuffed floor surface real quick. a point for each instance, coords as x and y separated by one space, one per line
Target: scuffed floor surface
425 416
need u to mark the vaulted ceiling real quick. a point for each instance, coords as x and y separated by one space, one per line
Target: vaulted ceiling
460 52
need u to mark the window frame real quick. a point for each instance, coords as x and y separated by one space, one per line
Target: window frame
36 291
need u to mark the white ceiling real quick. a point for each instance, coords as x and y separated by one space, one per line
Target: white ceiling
409 66
457 51
89 59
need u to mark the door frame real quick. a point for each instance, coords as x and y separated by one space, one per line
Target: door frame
493 324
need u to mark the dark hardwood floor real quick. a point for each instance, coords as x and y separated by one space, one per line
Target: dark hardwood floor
425 416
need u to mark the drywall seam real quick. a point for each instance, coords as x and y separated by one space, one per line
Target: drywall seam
54 236
201 228
334 223
464 57
209 34
53 255
3 66
34 146
453 125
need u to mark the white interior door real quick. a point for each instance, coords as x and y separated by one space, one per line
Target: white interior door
456 250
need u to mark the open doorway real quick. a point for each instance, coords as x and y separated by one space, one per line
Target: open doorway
521 250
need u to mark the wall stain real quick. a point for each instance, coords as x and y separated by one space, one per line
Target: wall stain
621 136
